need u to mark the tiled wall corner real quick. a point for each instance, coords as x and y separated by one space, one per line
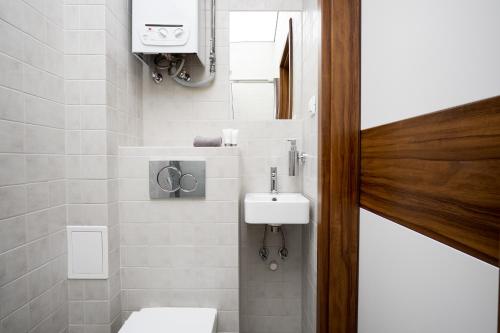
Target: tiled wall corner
103 107
86 153
311 21
124 116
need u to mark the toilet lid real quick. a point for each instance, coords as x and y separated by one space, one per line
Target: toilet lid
171 320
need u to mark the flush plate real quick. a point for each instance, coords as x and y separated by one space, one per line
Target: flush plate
176 179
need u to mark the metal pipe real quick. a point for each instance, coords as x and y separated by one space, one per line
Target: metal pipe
181 78
212 49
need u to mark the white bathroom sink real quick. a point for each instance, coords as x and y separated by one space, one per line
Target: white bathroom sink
276 209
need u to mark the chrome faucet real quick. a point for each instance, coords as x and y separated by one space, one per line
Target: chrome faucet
274 180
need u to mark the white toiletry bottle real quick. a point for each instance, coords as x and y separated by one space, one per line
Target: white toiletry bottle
227 134
234 137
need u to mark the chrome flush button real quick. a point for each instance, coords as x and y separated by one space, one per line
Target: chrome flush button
188 183
169 179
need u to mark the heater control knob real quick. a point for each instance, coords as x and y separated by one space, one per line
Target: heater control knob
178 32
163 32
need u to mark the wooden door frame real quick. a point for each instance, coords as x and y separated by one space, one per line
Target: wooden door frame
339 166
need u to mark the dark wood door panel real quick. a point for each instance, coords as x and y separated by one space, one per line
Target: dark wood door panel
439 174
339 166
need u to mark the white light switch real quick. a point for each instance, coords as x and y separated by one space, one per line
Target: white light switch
87 252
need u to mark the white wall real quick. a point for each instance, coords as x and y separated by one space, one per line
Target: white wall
180 252
174 115
419 57
423 56
253 101
32 178
311 22
411 283
250 61
103 110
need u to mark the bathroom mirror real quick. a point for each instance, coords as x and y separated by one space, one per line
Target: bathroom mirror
263 55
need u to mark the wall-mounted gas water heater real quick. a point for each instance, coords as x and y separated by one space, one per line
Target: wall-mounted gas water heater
167 35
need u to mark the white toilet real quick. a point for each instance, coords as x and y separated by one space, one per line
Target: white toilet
171 320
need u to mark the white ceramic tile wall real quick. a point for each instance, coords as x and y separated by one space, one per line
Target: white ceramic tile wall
103 107
70 94
124 118
262 145
311 21
86 161
180 252
33 288
173 115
